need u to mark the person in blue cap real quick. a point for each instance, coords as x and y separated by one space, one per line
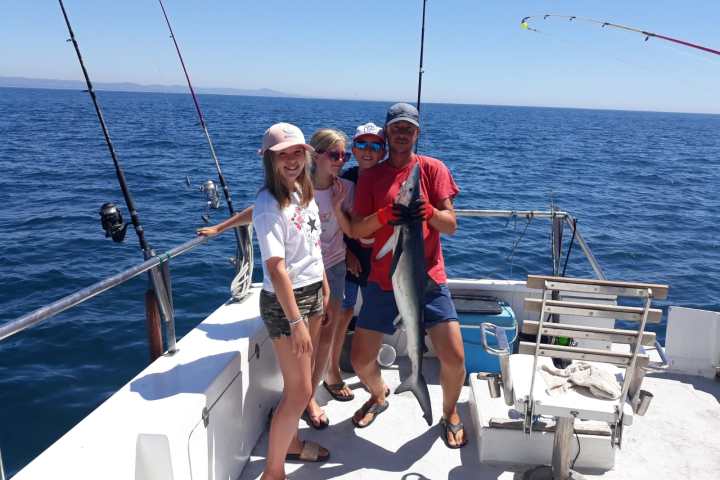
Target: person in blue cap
373 213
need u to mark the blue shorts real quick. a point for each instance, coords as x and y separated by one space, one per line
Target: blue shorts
351 293
379 311
336 281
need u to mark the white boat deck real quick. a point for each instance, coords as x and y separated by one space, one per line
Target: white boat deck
678 438
199 413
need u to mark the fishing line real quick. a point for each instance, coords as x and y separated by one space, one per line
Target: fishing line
530 217
572 241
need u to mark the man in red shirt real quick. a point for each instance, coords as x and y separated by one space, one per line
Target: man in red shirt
373 211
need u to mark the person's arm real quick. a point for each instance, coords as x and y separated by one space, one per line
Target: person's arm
239 219
326 295
353 263
365 227
339 194
300 333
444 219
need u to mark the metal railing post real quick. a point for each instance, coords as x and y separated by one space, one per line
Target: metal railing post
2 467
166 310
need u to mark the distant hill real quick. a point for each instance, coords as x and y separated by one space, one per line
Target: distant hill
22 82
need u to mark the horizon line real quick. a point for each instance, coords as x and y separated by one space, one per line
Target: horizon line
272 93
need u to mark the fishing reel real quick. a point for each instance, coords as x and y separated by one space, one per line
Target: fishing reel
212 197
211 193
112 222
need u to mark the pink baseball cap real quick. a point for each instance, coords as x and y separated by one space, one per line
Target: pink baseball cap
369 129
281 136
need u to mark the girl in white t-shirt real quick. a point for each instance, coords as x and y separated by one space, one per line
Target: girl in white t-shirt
287 225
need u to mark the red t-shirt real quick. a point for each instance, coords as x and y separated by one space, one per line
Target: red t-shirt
379 186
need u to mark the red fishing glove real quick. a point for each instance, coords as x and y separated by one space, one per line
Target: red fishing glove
387 214
422 210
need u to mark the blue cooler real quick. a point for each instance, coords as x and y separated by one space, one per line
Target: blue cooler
476 359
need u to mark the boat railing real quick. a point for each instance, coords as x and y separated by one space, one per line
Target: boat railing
554 215
156 262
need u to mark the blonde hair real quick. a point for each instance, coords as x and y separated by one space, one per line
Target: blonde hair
279 190
324 139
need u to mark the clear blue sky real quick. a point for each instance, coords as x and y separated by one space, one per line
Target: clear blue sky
475 50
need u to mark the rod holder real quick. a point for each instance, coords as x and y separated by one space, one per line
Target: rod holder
643 402
506 380
493 383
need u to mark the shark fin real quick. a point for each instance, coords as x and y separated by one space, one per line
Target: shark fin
389 245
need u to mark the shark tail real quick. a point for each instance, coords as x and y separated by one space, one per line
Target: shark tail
417 385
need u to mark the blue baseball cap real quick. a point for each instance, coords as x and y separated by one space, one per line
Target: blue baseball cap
402 112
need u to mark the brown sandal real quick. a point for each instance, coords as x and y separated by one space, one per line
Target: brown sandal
310 453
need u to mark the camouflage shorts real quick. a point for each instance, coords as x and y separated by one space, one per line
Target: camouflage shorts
309 300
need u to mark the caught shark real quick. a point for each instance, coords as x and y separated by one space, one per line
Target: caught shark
409 279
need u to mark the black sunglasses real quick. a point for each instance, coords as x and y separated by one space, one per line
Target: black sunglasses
335 156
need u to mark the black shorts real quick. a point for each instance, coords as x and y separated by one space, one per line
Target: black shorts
309 300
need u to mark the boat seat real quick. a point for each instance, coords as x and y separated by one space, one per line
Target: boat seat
523 382
573 402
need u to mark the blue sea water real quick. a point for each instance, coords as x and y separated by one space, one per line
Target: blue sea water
643 186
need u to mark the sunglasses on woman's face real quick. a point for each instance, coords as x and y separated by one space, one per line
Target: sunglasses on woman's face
374 146
335 156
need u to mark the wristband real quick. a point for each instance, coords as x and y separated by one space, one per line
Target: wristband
295 322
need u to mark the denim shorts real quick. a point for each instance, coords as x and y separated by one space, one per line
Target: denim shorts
309 300
379 310
336 280
351 294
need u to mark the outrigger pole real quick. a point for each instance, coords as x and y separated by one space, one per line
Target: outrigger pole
242 235
160 282
524 24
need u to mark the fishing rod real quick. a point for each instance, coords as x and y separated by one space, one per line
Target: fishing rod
420 68
242 235
147 250
524 24
422 50
160 281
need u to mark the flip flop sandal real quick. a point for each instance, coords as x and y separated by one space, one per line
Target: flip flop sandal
310 453
375 409
314 421
334 390
453 428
